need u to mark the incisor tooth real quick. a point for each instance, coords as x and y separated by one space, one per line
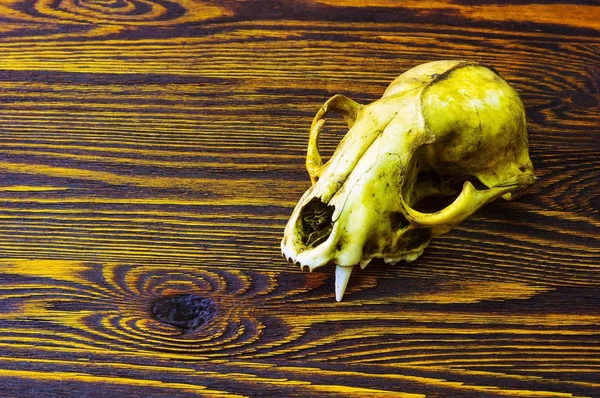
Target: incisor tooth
342 274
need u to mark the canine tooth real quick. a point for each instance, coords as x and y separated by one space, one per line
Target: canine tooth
342 274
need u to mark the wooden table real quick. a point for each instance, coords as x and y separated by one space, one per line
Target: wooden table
155 148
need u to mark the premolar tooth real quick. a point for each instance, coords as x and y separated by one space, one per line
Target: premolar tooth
410 257
363 264
342 274
393 260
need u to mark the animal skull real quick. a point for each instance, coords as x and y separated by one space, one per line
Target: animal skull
437 125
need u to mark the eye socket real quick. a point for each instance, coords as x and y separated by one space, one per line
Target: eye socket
331 135
316 222
340 104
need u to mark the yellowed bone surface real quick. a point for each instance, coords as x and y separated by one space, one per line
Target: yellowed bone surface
442 128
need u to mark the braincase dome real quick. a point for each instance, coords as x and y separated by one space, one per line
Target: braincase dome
478 121
419 76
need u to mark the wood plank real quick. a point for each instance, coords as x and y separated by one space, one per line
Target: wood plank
153 149
439 327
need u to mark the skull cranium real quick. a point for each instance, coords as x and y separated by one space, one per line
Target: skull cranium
437 125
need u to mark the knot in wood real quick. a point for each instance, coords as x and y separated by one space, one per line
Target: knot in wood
184 311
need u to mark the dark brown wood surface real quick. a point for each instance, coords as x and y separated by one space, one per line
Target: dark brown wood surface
151 148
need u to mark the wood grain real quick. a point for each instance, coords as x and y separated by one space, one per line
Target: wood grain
155 148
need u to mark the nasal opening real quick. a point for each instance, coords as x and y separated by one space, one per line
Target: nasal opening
316 222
